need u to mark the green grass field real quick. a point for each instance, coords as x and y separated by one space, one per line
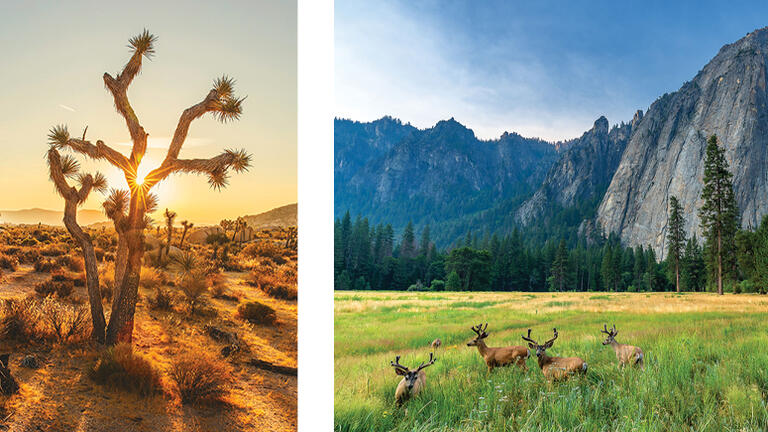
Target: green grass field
706 362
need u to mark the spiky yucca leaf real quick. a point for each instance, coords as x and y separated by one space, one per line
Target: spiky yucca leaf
58 136
100 182
143 44
148 222
224 86
218 179
240 160
116 203
69 166
150 202
229 109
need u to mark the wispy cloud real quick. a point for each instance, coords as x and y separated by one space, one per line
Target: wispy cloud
68 108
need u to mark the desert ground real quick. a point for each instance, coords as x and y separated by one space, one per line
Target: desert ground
706 362
201 360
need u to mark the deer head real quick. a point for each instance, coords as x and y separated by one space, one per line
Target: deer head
540 349
611 334
481 334
410 376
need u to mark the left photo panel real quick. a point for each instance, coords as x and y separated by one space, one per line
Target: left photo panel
148 216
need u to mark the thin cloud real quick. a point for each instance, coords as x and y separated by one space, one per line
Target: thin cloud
68 108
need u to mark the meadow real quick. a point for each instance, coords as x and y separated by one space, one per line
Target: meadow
706 362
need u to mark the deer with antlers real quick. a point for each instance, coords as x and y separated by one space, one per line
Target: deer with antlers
627 354
499 356
413 380
555 367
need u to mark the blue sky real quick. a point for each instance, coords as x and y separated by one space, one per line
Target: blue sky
545 69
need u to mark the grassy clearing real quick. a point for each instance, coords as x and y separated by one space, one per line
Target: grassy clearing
706 363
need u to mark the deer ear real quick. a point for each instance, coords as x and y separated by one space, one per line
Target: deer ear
530 345
399 371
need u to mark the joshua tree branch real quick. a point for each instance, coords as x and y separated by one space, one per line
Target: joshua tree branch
190 114
217 168
99 151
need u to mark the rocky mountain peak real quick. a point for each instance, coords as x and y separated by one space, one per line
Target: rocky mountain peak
601 125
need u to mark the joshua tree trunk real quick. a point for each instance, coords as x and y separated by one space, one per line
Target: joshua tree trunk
73 198
128 209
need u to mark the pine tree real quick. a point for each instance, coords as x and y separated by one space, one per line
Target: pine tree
719 214
675 237
559 268
408 244
693 267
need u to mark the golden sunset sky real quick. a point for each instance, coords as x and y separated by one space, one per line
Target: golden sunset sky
54 56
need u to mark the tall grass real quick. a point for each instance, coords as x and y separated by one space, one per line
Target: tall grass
704 371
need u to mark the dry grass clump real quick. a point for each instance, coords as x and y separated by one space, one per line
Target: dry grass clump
73 263
9 262
257 313
46 265
25 255
265 249
30 320
19 319
276 283
54 250
200 378
58 284
64 323
193 284
162 300
119 367
152 278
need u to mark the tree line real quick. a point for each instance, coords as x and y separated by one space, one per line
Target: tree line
369 257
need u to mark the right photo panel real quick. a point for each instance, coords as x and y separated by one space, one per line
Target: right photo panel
550 217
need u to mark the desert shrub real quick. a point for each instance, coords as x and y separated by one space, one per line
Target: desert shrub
288 274
267 249
58 284
9 262
64 323
151 277
119 367
75 263
162 300
281 291
193 284
19 320
200 378
46 265
218 284
257 313
54 250
28 256
78 279
216 238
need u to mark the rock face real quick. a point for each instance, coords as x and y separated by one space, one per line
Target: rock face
665 155
440 173
582 173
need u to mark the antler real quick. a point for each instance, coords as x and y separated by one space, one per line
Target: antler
605 329
429 362
549 342
614 331
528 339
396 364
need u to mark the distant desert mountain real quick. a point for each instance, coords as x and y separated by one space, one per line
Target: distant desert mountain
49 217
284 216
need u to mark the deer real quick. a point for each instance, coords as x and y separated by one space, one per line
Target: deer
555 368
413 380
499 356
626 354
436 343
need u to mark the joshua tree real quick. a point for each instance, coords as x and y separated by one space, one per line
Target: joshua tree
60 168
187 226
169 217
227 225
129 209
240 225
